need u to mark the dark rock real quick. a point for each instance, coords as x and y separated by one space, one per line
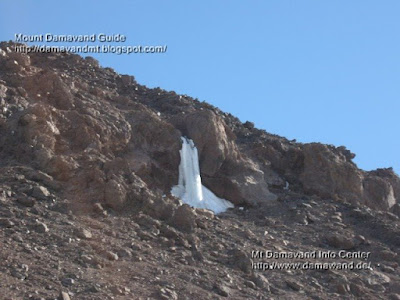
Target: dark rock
67 281
242 260
40 192
340 241
6 222
249 125
169 232
184 219
343 288
396 209
260 281
250 284
388 255
357 289
124 253
98 208
294 285
41 227
222 290
26 201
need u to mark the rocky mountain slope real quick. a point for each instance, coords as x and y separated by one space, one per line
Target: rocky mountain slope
88 158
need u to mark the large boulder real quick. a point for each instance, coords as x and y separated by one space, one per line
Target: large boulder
381 189
329 172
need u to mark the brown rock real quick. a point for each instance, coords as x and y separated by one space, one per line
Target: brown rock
64 296
115 194
98 208
160 208
6 222
340 241
261 281
41 227
124 253
206 213
242 260
222 290
396 209
250 284
184 218
328 173
343 288
111 255
26 201
169 232
388 255
357 289
84 233
294 285
127 79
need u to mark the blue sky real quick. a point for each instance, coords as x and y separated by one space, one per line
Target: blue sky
326 71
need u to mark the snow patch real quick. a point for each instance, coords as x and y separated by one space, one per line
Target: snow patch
190 188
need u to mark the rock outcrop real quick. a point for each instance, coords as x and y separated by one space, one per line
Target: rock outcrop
329 173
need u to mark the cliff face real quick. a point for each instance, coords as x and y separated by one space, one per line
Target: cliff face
87 161
108 139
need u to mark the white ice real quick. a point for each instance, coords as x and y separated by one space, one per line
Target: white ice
189 187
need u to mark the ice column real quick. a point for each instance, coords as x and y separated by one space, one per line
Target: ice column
189 187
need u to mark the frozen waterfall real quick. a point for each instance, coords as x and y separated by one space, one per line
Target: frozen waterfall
189 187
